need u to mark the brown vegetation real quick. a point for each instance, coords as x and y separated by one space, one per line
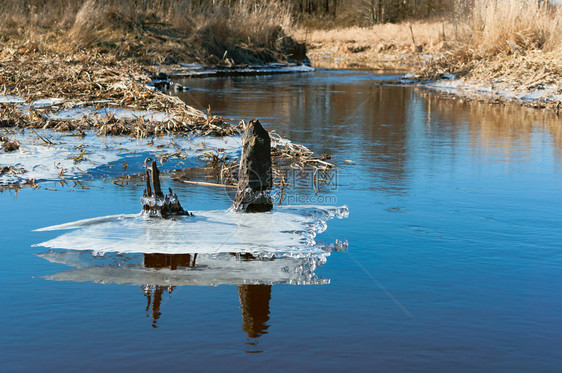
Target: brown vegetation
509 46
495 45
385 47
94 80
153 31
83 50
99 52
496 29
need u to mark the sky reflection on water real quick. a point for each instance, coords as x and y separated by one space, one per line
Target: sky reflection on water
454 209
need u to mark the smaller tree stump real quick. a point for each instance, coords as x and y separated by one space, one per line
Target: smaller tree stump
155 203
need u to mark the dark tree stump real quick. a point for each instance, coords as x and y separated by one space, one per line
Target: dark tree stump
255 176
154 202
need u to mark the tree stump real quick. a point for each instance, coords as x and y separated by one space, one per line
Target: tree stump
154 202
255 175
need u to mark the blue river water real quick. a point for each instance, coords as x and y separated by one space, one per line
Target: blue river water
454 258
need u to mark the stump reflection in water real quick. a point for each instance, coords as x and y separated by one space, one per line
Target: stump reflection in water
254 302
254 299
153 293
172 261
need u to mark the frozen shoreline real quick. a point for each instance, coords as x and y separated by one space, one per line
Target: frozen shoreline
47 155
498 91
200 71
72 157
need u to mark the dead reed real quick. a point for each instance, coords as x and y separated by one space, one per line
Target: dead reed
99 81
102 81
97 53
154 31
509 39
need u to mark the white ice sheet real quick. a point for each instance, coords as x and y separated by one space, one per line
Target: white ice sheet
45 162
288 231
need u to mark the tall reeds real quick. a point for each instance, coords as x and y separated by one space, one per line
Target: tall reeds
508 26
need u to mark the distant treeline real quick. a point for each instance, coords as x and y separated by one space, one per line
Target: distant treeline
320 13
371 11
361 12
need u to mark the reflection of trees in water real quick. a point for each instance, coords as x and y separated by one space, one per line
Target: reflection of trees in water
369 122
386 136
365 120
349 117
506 127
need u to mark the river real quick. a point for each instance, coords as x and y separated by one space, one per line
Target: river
453 259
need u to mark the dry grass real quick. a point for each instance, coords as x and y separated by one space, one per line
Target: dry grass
391 36
499 34
509 26
511 45
386 46
156 31
103 81
26 17
98 52
94 80
507 46
429 33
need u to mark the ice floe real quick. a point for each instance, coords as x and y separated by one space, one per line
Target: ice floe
288 230
210 248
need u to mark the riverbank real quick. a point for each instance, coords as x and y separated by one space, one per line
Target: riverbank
398 47
104 54
495 51
154 32
81 95
529 78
